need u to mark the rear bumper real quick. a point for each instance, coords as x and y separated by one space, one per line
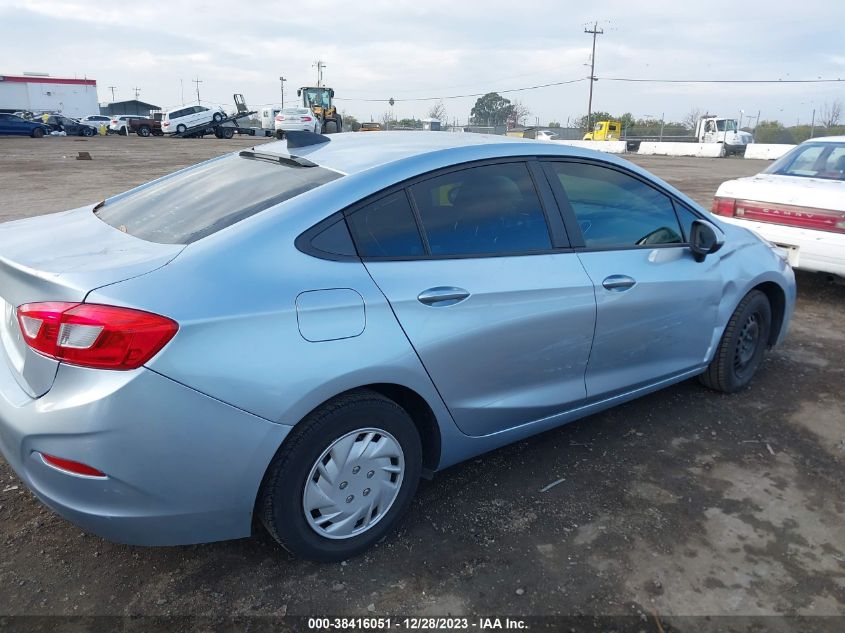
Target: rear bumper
818 251
181 467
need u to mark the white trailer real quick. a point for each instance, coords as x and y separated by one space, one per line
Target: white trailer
42 93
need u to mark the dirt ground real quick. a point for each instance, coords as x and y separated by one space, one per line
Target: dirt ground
686 502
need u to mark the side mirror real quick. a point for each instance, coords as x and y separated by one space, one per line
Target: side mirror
705 239
299 92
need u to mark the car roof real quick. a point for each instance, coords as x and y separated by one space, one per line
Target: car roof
350 152
826 139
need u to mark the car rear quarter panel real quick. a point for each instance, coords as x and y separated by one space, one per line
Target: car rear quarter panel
240 339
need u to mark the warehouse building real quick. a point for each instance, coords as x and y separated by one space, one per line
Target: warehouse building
128 107
40 92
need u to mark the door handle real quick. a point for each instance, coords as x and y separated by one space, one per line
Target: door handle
442 296
619 283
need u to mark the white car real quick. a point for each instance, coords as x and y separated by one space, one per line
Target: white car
798 203
179 120
547 135
297 119
119 122
97 120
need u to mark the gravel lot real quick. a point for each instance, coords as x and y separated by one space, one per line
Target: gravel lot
686 502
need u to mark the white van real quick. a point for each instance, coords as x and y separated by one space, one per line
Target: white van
177 121
268 116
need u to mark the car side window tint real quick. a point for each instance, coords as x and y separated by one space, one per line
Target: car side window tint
387 228
615 210
492 209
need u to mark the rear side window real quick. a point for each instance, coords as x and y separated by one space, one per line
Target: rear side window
386 228
615 210
492 209
189 206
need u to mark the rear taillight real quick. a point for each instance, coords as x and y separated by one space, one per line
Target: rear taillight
306 119
279 117
724 206
165 124
91 335
790 215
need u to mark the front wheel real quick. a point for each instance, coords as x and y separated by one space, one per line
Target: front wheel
38 132
743 344
343 478
144 130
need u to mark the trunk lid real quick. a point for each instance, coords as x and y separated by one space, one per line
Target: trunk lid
797 191
62 257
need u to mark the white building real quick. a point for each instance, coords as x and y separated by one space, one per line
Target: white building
71 97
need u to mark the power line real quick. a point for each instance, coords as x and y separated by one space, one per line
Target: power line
598 78
722 81
475 94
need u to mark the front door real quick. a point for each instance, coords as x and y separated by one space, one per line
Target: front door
656 307
500 317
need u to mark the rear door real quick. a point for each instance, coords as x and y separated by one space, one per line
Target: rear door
656 306
476 266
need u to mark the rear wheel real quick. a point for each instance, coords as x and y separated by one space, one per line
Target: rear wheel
144 130
343 478
180 129
217 116
87 131
38 132
280 134
331 126
743 344
226 132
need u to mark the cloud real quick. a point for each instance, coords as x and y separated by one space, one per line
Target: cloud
403 49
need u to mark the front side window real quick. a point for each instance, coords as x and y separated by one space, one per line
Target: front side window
615 210
194 204
492 209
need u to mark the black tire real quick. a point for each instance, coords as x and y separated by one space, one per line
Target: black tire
226 132
217 117
38 132
280 501
331 126
180 129
144 131
743 344
88 131
280 134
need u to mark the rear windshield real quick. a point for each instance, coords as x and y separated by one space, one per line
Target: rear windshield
812 160
190 206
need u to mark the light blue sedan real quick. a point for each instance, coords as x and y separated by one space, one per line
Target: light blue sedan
298 332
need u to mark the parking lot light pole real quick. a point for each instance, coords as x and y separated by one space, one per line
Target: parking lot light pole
283 80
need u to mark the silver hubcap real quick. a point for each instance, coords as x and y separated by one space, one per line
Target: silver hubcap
354 483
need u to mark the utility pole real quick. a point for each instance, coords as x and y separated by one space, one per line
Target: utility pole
137 91
283 80
112 92
319 65
594 32
182 90
198 81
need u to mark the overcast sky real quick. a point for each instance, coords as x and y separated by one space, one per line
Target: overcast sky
392 48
